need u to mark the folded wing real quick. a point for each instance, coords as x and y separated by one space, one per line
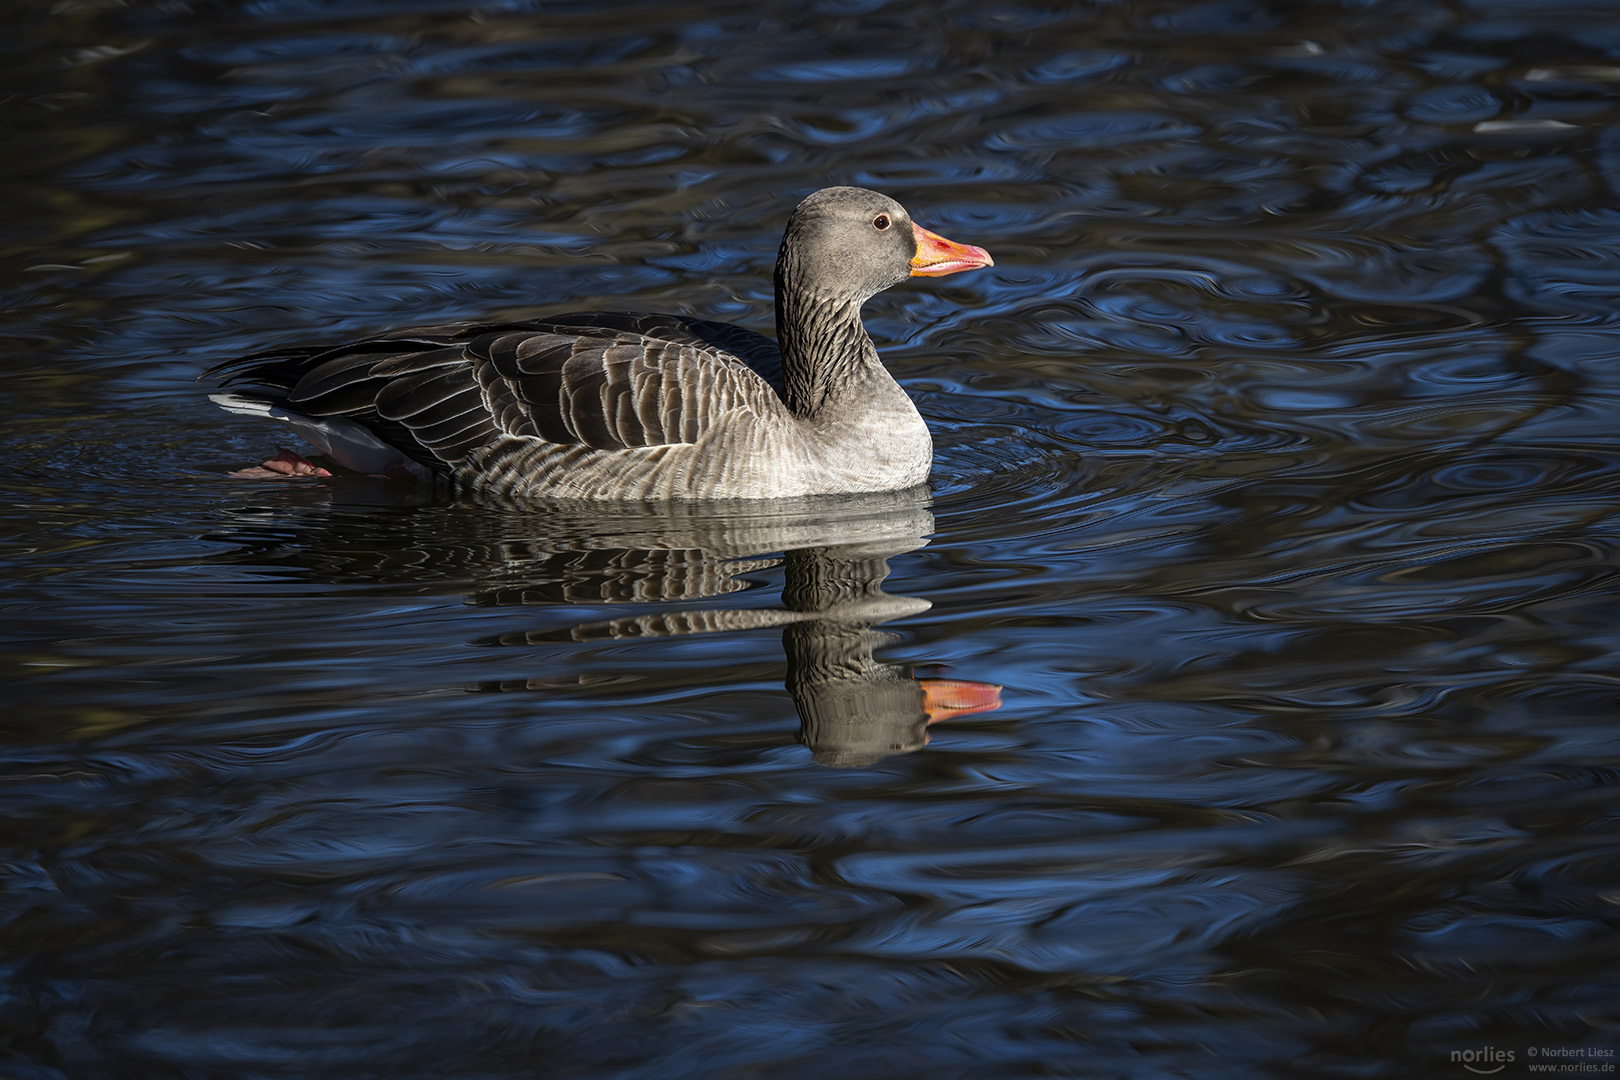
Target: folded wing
603 381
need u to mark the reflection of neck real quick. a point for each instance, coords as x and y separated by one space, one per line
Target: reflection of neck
853 709
823 655
816 579
824 346
847 591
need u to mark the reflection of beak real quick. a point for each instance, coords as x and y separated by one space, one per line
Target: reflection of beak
946 699
937 256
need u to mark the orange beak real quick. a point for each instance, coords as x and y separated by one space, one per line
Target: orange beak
946 699
937 256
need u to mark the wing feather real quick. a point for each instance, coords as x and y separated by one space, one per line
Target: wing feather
648 400
584 401
589 382
426 397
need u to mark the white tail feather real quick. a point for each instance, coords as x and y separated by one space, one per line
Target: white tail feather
345 441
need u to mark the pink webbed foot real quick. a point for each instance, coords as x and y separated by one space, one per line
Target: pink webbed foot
286 465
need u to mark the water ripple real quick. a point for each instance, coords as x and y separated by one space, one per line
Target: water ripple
1238 702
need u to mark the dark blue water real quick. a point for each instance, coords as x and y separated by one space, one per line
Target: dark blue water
1276 486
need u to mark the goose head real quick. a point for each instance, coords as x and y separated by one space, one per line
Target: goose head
849 244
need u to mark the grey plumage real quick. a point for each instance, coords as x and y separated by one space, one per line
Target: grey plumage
604 405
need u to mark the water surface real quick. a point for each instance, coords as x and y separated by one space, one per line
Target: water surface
1275 485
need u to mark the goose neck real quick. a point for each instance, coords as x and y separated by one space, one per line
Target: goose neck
825 349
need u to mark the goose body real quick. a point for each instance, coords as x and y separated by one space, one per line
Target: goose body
606 405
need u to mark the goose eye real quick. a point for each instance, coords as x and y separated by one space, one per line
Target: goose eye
880 222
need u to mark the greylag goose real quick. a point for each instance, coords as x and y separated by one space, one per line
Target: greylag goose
604 405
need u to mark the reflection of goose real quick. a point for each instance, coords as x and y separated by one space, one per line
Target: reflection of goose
619 406
854 709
